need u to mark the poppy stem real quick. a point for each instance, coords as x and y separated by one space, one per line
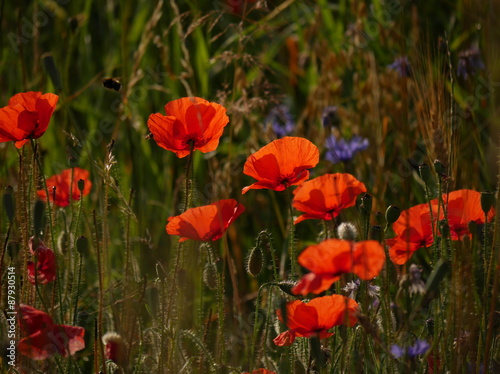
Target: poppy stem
101 293
291 237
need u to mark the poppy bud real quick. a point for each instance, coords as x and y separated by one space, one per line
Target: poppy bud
439 167
379 217
444 229
376 233
255 261
347 231
472 227
50 67
210 275
487 201
8 203
38 212
81 185
392 214
425 173
114 347
366 204
82 245
72 161
286 287
430 326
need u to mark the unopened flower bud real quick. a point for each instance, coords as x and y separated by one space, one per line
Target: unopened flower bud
8 203
286 287
210 275
444 229
392 214
439 167
38 217
376 233
347 231
366 204
81 185
379 217
255 261
82 245
487 201
425 173
114 347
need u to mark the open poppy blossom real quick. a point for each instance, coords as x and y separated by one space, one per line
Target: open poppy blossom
26 117
45 269
463 206
324 197
316 317
191 123
59 186
43 338
282 163
331 258
413 231
205 223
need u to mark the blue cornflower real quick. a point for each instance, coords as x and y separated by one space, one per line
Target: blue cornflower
402 66
419 348
469 62
344 150
281 121
330 117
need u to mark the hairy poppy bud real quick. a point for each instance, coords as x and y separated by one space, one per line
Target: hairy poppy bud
81 185
376 233
366 204
379 217
425 173
255 261
439 167
82 245
444 229
392 214
286 287
347 231
8 203
38 217
210 275
487 201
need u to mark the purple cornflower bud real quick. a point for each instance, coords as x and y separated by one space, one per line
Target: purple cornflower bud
402 66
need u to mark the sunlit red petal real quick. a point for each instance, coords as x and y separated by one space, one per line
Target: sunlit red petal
205 223
325 196
314 283
282 163
284 339
61 183
45 264
400 251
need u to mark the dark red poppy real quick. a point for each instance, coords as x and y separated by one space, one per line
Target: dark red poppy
316 317
191 123
59 186
463 206
205 223
45 263
324 197
26 117
413 231
42 338
282 163
331 258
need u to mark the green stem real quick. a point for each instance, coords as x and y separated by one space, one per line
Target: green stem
291 238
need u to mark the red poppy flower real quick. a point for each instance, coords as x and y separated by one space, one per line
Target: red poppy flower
45 264
281 163
26 117
316 317
260 371
324 197
59 185
190 123
206 222
331 258
413 231
463 206
43 338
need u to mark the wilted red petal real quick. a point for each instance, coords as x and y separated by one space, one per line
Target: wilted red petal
284 339
282 163
206 222
61 183
324 197
44 338
45 264
190 122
